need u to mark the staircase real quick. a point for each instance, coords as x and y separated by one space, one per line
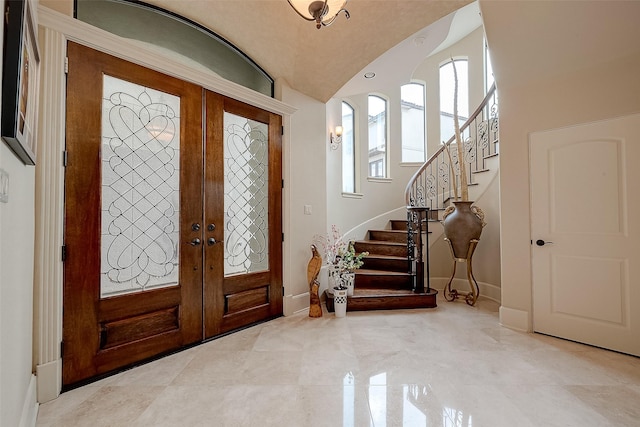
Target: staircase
385 282
393 275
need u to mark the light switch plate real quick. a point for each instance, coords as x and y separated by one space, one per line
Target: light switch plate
4 186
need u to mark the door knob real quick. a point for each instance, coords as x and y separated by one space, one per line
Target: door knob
194 242
541 242
211 241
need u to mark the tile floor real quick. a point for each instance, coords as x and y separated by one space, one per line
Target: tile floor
449 366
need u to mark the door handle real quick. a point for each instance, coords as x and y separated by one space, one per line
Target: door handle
211 241
194 242
541 242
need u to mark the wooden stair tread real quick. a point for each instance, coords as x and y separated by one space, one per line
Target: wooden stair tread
381 242
381 256
380 292
385 299
364 272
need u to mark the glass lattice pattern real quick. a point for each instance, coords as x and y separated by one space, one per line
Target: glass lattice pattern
140 188
246 195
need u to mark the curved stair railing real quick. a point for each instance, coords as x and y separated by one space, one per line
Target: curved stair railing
431 187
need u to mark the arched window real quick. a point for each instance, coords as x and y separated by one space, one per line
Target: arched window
377 137
413 122
173 33
348 149
447 83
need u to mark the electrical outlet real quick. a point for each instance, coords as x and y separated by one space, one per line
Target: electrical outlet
307 209
4 186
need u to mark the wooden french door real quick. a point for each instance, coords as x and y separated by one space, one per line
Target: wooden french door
243 205
173 215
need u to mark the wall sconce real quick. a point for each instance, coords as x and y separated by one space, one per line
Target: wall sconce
336 140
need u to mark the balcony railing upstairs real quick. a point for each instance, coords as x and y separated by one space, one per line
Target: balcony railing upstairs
432 185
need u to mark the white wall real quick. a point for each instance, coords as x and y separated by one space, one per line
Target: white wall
305 177
17 393
16 289
374 197
563 63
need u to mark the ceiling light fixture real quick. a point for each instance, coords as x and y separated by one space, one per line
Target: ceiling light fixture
369 75
322 12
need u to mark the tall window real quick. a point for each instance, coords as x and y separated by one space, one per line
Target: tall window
413 122
447 84
348 149
377 137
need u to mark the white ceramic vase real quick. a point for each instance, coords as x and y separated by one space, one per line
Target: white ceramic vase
348 281
340 301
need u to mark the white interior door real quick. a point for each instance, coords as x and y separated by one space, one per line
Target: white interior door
585 199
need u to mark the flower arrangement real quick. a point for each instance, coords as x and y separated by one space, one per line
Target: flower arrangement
348 261
332 245
338 252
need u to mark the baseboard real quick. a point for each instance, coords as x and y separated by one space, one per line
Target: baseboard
293 304
49 379
30 406
518 320
487 290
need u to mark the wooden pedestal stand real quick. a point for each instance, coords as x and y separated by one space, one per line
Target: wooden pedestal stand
453 294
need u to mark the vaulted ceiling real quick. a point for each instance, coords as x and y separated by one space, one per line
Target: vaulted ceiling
314 62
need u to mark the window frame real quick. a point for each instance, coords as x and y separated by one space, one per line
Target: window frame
424 123
461 118
354 147
385 157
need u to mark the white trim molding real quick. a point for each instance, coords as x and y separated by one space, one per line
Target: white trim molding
29 414
518 320
295 303
49 201
487 290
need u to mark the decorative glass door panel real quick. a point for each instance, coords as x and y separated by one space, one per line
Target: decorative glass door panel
140 188
246 195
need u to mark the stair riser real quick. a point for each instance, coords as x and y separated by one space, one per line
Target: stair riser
388 236
401 265
381 249
383 282
397 224
387 303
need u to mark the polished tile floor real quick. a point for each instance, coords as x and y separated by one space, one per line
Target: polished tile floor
449 366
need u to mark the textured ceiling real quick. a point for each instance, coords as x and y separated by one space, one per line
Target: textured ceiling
314 62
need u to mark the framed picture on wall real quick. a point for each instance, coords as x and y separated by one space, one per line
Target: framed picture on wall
20 80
